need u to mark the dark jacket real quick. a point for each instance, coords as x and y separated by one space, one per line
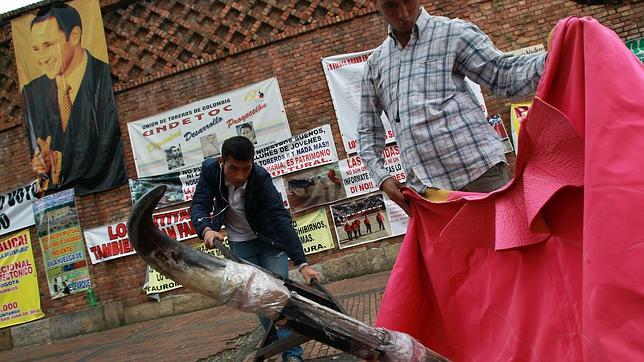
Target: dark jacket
91 148
265 210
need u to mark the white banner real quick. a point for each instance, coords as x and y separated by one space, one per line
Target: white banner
111 241
15 208
108 242
358 181
309 149
185 135
344 74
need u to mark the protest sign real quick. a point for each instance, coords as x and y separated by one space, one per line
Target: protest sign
61 243
16 208
309 149
356 177
314 231
19 293
186 135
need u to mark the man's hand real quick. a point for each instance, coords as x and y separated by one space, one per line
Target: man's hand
209 237
309 274
46 161
391 187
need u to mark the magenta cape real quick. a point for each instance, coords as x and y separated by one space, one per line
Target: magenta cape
551 266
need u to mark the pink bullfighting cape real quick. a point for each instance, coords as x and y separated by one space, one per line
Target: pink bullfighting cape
551 266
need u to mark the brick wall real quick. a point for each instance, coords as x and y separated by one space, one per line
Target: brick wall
167 55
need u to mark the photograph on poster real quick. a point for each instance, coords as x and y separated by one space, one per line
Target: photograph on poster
247 130
209 145
174 157
361 220
314 186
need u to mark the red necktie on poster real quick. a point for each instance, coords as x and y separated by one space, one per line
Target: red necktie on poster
549 267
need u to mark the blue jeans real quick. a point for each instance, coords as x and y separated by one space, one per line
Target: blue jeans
269 258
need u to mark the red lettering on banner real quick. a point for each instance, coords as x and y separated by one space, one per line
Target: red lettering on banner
111 249
391 151
354 161
121 231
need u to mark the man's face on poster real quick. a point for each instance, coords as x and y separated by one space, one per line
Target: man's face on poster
52 50
248 133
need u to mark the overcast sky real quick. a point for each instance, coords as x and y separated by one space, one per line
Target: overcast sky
8 5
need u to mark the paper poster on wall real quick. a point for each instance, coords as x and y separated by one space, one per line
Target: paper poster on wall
19 292
159 283
358 181
61 243
497 123
108 242
314 231
70 114
180 186
313 187
363 220
16 208
182 136
518 112
309 149
344 75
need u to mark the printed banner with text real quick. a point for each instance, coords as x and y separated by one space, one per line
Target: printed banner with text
314 231
61 243
186 135
309 149
111 241
180 186
16 208
358 181
344 74
19 293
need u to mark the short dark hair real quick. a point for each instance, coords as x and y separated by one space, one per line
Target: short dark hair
66 16
246 125
238 147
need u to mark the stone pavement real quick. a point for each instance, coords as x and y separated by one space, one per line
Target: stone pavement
213 334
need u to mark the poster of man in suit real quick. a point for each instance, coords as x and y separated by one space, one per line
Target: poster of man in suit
70 112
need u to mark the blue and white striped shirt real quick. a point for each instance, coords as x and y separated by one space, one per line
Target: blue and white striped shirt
442 132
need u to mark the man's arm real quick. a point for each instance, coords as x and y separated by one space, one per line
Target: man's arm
371 140
503 74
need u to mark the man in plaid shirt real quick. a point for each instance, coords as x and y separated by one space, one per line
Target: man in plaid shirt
417 77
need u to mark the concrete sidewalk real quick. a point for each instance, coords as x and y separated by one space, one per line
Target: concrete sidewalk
213 334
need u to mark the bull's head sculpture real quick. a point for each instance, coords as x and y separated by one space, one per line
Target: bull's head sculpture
250 289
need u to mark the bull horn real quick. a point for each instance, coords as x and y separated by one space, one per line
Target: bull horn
249 289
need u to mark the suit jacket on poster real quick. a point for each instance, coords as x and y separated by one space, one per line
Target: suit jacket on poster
91 147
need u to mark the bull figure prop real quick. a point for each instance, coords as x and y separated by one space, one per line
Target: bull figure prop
250 289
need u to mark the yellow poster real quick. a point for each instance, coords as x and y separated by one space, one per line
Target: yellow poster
19 294
518 111
314 231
